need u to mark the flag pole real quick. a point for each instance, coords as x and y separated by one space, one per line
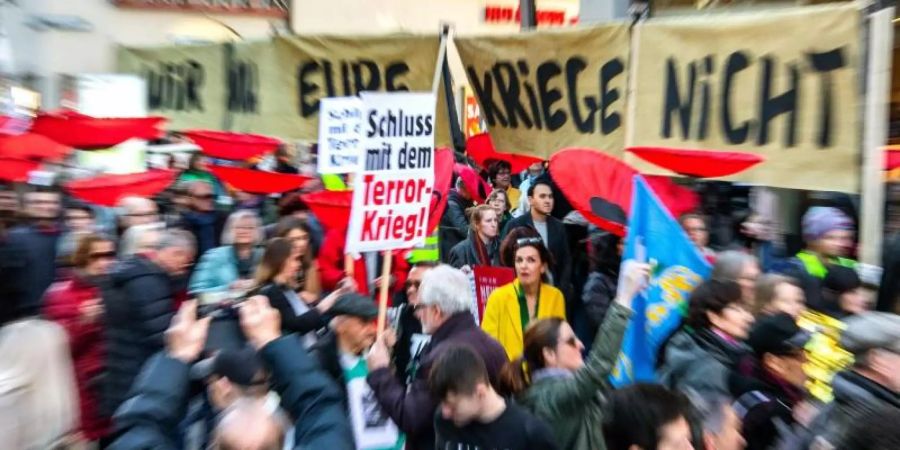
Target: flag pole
383 291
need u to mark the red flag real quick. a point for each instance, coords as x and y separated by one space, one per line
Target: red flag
85 132
698 163
107 190
33 146
16 170
584 175
481 149
232 146
258 181
332 208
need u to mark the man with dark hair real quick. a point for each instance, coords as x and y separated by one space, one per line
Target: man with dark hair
551 230
500 176
78 221
721 425
39 238
203 221
472 414
647 417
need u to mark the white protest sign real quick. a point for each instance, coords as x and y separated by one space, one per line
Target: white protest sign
392 193
340 135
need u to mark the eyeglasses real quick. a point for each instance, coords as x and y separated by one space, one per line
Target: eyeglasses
529 241
102 255
143 214
204 197
412 284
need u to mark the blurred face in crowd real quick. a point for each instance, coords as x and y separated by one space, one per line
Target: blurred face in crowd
141 213
245 231
734 320
175 260
79 221
413 282
567 353
299 239
503 179
886 365
675 436
535 169
101 258
498 202
788 299
43 206
464 409
729 438
855 301
429 316
489 227
696 230
835 243
355 334
787 367
202 198
542 200
289 270
747 280
529 266
9 203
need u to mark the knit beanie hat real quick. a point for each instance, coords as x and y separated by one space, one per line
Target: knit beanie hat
820 220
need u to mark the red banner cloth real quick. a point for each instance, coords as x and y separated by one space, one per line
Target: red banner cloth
107 190
232 146
258 181
33 146
86 132
481 149
698 163
486 280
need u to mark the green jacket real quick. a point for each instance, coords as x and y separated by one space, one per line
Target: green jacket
573 406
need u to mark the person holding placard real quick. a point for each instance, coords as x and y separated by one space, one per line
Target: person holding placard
512 307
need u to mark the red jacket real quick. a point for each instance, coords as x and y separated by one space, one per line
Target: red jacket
61 305
331 266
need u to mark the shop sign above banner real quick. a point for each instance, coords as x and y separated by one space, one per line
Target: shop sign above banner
783 84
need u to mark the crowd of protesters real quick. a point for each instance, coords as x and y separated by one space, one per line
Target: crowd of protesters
185 322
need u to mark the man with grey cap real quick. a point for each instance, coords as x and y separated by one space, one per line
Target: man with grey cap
340 352
872 382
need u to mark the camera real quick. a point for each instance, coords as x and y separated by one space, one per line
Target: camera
225 326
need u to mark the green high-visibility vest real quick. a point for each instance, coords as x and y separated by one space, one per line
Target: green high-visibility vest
814 265
333 182
429 251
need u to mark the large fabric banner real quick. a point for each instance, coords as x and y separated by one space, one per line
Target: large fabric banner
274 87
781 84
677 267
184 83
546 90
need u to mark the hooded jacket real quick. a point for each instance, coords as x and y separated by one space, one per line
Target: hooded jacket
139 307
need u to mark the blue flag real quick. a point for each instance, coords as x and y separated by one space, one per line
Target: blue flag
677 267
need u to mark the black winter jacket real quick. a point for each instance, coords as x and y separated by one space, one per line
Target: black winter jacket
453 226
39 256
464 253
139 308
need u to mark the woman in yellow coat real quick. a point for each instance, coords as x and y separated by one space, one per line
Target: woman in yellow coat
512 307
